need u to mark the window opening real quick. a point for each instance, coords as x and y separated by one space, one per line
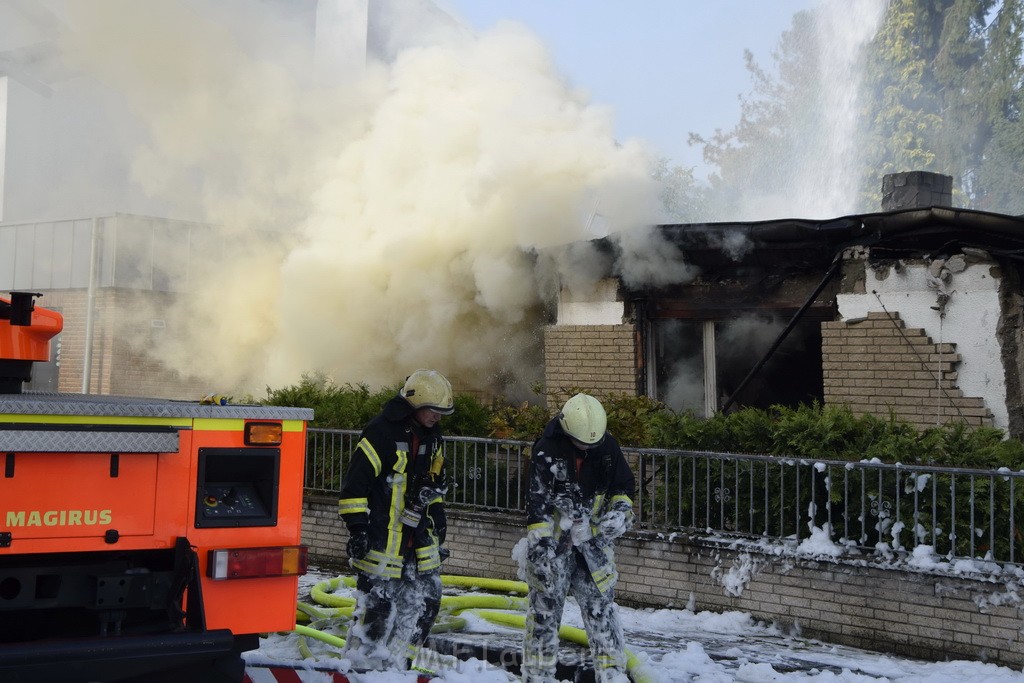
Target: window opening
697 364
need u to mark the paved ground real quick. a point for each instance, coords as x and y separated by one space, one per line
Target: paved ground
784 654
678 641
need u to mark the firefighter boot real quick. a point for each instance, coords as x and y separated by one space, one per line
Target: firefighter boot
530 675
610 675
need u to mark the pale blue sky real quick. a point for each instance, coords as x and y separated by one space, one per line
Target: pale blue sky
666 67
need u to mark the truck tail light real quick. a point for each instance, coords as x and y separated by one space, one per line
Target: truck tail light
248 563
263 433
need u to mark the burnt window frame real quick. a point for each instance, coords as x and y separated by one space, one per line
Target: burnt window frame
675 309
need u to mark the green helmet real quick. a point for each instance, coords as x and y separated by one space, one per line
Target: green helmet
583 418
429 389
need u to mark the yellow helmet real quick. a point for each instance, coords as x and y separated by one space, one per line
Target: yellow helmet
429 389
583 418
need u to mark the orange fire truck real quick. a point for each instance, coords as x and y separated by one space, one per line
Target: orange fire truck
140 539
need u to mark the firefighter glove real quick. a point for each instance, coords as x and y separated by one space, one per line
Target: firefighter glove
358 542
425 491
614 523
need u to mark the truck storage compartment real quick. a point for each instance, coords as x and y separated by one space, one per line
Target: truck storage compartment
77 495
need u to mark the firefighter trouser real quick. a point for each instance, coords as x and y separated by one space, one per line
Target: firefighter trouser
393 618
569 573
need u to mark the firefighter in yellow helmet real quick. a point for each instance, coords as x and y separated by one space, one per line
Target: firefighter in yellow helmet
579 502
392 503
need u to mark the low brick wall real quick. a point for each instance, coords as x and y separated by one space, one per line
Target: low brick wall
910 613
480 544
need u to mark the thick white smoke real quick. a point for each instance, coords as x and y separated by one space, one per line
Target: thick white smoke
377 224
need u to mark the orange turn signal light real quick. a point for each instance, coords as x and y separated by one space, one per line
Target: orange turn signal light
263 433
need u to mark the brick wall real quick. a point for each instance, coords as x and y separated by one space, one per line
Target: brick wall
595 358
915 614
72 305
140 319
475 540
916 189
123 334
878 366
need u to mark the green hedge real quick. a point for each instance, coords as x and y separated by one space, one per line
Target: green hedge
808 431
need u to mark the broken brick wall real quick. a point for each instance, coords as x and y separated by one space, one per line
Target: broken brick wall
878 366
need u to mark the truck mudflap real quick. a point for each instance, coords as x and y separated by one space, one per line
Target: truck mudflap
194 657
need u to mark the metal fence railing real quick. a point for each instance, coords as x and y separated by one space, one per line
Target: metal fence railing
870 507
488 474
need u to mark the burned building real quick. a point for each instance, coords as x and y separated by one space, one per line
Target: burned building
914 312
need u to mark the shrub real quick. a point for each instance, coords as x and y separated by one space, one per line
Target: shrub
521 422
470 418
345 407
629 417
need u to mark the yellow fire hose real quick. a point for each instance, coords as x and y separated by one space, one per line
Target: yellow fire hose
569 633
340 608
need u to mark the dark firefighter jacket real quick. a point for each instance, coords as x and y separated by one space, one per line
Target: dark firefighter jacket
389 470
567 483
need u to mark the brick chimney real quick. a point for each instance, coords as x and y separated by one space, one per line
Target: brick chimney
916 190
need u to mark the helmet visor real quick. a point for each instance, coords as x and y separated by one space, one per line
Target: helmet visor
586 446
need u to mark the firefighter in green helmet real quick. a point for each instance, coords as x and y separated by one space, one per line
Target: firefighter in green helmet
579 502
392 504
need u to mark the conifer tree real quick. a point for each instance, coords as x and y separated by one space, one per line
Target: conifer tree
941 92
751 157
901 126
997 175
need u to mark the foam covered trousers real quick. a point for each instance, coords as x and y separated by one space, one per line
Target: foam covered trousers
567 573
393 618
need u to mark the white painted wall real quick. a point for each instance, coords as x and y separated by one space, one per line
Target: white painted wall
595 307
972 315
3 140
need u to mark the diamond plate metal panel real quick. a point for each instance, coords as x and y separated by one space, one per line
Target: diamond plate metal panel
126 406
92 441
